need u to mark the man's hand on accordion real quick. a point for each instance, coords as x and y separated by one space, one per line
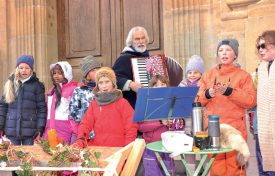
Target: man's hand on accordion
134 86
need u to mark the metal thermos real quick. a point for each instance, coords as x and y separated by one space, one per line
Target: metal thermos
197 117
214 131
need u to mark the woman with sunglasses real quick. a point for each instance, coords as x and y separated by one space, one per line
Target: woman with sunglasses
227 91
266 103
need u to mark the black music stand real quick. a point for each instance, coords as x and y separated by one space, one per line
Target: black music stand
165 102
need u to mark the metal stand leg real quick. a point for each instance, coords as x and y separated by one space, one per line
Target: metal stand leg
188 170
208 165
162 164
199 167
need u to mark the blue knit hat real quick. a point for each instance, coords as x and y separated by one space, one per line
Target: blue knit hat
195 63
28 59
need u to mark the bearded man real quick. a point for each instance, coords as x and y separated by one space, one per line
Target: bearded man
136 46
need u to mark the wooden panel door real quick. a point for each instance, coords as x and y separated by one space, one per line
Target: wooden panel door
83 29
144 13
129 13
100 27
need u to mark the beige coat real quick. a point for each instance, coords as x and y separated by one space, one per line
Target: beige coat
266 114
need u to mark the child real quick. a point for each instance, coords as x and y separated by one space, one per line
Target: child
23 107
152 132
83 95
227 91
58 101
194 70
109 115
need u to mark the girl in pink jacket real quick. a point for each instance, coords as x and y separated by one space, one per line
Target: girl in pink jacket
58 99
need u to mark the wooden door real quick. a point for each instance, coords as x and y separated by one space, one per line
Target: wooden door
100 27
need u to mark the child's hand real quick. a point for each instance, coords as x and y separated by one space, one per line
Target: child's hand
212 91
221 88
167 122
134 86
77 145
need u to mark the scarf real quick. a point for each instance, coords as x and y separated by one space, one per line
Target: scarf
88 84
105 98
266 114
195 83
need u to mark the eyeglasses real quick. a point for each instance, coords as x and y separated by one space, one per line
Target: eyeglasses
262 46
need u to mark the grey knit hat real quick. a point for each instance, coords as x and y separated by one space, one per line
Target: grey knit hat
195 63
89 63
233 43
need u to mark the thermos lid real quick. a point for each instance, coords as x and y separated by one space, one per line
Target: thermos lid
196 104
214 117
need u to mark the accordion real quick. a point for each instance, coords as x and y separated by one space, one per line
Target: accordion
145 68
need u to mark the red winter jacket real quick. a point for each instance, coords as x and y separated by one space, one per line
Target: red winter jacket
112 124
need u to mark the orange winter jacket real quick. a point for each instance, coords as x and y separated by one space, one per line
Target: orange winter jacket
231 109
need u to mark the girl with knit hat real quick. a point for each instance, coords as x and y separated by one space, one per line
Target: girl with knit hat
194 70
109 115
59 96
83 95
227 91
23 106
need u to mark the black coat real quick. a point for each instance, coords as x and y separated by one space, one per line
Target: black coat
123 70
26 115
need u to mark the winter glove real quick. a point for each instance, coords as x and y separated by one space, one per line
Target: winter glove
251 117
2 133
38 133
73 138
74 126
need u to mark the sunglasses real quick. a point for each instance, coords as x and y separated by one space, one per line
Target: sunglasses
262 46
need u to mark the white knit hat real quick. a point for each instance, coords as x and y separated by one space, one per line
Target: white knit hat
195 63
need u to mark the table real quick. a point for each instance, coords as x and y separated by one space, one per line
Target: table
121 161
157 147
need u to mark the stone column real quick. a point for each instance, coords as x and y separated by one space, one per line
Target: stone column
181 25
3 43
261 17
31 28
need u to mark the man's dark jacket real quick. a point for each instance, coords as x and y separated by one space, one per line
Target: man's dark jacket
123 70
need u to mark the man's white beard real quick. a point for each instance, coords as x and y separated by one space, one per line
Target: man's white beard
140 49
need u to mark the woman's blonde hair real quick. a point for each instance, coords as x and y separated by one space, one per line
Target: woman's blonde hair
12 86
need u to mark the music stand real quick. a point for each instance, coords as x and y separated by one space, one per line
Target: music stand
165 102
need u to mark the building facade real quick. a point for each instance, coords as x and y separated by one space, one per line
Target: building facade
53 30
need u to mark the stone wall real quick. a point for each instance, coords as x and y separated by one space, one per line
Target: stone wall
189 27
196 27
28 27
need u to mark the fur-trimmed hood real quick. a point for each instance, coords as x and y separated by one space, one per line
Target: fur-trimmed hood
67 69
